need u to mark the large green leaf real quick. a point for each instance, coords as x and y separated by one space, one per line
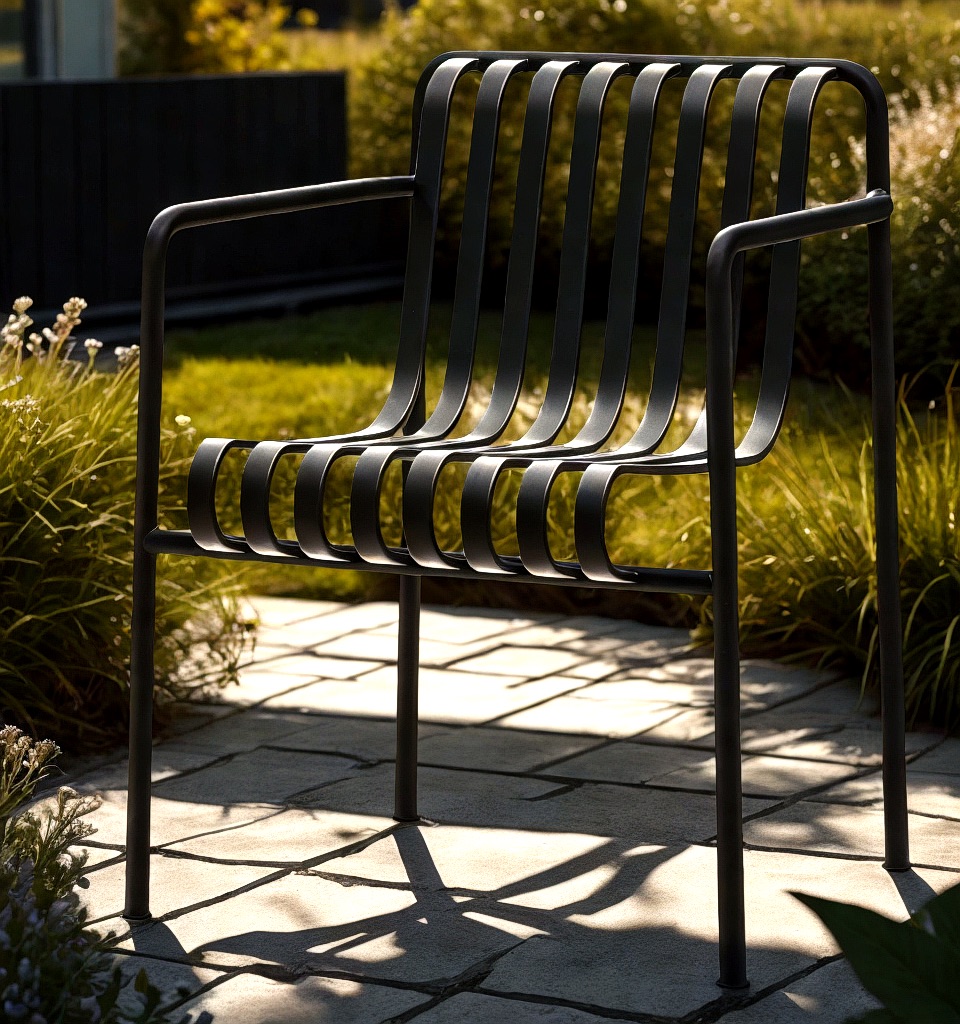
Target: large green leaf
908 970
941 918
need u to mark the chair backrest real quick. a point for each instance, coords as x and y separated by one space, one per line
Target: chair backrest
537 80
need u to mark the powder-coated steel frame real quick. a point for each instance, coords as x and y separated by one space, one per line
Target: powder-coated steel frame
405 431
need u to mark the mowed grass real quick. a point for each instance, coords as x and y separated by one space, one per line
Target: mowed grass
328 373
807 583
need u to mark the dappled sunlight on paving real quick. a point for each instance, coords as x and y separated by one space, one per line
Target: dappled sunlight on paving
565 870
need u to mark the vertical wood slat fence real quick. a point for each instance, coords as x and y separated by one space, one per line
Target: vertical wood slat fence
86 165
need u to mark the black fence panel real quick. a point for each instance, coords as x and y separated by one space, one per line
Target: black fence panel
85 166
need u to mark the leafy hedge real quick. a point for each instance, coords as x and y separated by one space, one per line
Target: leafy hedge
913 49
67 464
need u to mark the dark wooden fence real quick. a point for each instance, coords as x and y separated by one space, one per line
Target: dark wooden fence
85 166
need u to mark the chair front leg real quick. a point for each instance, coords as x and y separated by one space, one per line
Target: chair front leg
897 845
137 904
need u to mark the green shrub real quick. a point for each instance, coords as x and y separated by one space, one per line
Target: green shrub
214 36
53 969
925 162
67 462
912 48
807 550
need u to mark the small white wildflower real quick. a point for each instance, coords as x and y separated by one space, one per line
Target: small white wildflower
22 304
182 421
92 345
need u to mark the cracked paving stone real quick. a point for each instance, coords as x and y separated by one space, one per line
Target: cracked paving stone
832 994
626 762
520 661
444 697
478 1008
368 739
309 1000
762 776
488 801
257 776
645 942
927 792
175 883
845 829
495 862
291 837
243 732
574 713
507 750
312 924
173 820
690 681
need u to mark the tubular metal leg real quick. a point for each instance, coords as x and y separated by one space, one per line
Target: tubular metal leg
137 905
726 667
726 661
897 846
408 667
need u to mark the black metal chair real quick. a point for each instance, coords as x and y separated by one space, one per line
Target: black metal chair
425 441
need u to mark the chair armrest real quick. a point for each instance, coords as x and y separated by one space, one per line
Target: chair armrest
724 250
790 227
197 214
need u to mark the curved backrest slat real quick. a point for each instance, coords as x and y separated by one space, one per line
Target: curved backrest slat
531 171
571 285
625 261
431 145
674 294
473 243
598 73
738 188
784 266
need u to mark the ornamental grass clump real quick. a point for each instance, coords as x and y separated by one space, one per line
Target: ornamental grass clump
67 463
807 550
53 968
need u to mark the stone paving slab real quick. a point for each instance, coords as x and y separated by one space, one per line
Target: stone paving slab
845 829
477 1008
177 884
830 995
176 981
367 739
576 713
943 759
569 876
504 750
445 697
647 942
292 837
928 793
506 801
256 777
247 997
311 924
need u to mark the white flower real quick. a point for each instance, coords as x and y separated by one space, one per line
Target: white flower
22 304
182 421
92 345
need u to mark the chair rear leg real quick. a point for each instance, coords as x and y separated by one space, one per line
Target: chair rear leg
142 630
408 668
897 845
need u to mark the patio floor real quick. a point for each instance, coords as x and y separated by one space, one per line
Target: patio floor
566 872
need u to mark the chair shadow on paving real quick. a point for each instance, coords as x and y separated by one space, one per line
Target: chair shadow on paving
581 892
600 949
